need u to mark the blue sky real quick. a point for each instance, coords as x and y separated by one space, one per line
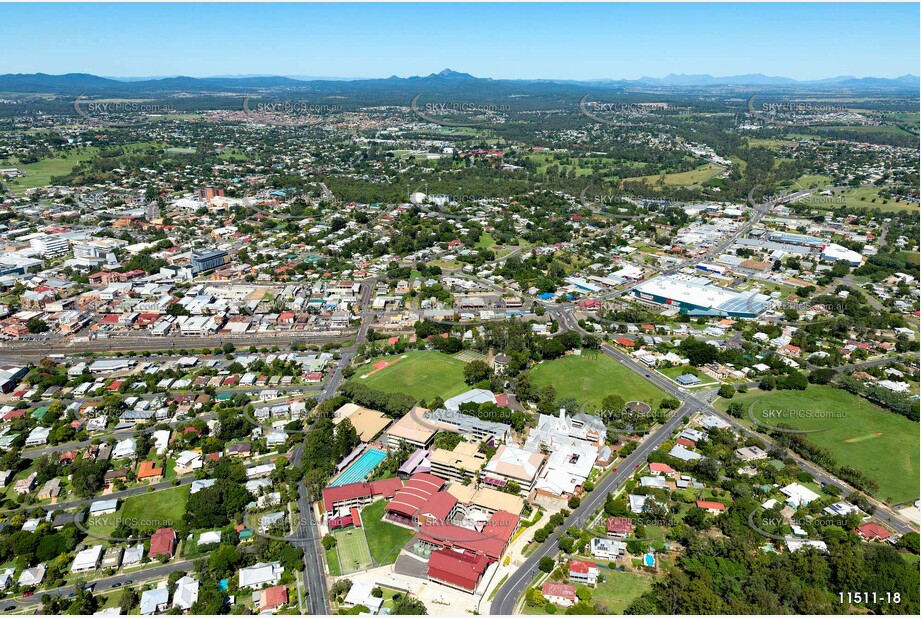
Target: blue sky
586 41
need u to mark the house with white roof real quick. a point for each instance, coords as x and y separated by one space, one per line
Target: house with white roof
260 574
797 495
186 593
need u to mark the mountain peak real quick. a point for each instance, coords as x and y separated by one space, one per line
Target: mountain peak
451 74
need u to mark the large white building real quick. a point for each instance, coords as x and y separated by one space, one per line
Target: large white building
47 245
699 296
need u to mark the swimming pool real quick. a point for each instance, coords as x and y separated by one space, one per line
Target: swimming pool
649 560
361 468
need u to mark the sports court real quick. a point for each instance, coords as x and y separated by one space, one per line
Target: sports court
352 547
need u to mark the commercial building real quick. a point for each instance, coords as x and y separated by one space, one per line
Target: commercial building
47 245
698 296
460 464
514 464
207 259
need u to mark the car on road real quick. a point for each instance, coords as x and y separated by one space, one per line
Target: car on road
9 608
129 581
72 594
116 585
636 466
26 595
614 470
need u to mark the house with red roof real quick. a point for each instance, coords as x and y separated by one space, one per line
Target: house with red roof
563 595
714 508
273 598
459 570
583 572
163 543
148 471
656 469
872 531
619 527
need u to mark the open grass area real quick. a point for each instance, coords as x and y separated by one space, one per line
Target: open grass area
674 372
486 241
156 509
881 444
856 197
39 174
680 179
619 589
384 539
332 561
591 377
424 374
352 549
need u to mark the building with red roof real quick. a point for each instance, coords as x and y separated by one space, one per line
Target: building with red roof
459 570
583 572
359 494
490 542
563 595
272 598
661 468
711 507
416 493
163 542
619 527
872 531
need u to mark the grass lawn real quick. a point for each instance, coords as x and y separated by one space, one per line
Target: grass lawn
39 174
674 372
677 179
857 197
384 539
881 444
153 510
332 561
486 241
424 374
619 589
591 377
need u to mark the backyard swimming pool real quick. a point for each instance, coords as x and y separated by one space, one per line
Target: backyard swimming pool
362 467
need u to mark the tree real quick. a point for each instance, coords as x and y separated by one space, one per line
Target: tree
177 310
409 606
476 371
545 564
129 601
726 391
37 325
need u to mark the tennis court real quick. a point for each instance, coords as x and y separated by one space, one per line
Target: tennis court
354 554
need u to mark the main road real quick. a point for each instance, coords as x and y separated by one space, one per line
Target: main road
306 533
507 597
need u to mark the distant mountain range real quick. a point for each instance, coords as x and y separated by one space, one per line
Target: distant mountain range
84 83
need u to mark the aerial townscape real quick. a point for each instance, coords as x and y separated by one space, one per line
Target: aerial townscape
450 344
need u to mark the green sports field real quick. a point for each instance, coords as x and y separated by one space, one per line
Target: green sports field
424 374
352 548
385 540
881 444
591 377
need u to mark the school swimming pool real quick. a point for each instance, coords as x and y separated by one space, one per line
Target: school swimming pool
361 468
